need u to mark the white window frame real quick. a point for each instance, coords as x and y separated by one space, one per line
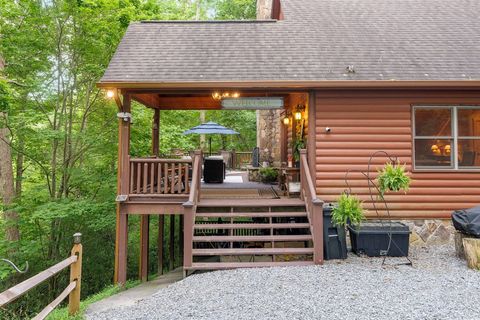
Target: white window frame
454 129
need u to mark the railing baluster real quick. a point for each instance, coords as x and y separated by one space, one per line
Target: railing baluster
187 173
131 176
165 177
152 177
172 177
145 177
139 176
159 178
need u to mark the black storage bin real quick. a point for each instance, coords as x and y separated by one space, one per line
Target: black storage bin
334 237
372 238
213 170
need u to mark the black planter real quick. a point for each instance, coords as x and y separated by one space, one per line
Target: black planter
372 238
334 237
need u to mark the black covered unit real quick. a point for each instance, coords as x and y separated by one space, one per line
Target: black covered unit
372 238
334 237
467 221
213 170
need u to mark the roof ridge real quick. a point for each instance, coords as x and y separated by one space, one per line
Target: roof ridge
210 21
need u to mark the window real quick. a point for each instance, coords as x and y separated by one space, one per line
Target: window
446 137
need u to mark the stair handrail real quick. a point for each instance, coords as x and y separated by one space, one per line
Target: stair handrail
314 206
189 209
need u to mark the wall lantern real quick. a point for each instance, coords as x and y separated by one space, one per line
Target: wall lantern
298 111
286 118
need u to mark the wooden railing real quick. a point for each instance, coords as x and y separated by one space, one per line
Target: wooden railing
189 209
72 290
153 176
242 158
314 207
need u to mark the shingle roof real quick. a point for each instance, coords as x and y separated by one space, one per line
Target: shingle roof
317 40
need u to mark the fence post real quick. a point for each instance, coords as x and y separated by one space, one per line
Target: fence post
75 275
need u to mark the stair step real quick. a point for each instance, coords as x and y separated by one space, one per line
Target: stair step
283 202
249 214
277 238
251 251
233 265
252 226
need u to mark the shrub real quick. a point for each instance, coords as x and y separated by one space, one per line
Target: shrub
268 174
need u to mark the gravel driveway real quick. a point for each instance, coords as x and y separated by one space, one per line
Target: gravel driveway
438 286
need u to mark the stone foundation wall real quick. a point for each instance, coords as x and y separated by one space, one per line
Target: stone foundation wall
427 232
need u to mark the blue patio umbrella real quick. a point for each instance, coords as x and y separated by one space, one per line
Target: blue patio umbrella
210 128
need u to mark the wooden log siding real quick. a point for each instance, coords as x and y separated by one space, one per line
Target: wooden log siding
151 176
363 122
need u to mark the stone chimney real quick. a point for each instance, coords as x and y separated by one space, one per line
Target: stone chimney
264 9
268 121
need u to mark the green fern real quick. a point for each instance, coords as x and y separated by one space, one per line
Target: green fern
393 178
349 209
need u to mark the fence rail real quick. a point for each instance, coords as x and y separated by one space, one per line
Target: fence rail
72 290
153 176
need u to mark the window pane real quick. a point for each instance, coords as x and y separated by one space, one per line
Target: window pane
469 152
468 122
433 153
433 122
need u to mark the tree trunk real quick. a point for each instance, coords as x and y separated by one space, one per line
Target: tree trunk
7 190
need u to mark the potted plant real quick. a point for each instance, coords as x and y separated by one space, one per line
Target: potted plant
335 218
268 175
392 177
297 146
383 238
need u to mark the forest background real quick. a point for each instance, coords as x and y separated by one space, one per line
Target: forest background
58 135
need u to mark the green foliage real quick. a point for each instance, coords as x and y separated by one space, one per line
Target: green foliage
268 174
5 96
392 177
349 209
64 133
297 146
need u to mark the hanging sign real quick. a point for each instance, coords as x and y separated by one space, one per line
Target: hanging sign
253 103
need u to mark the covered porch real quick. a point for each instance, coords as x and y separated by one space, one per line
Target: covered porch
173 185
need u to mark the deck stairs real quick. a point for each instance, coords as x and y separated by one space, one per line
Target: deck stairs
251 233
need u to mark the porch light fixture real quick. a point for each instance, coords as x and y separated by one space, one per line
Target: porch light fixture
221 95
286 119
110 93
298 112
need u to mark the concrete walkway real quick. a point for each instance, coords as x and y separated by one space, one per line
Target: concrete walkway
131 296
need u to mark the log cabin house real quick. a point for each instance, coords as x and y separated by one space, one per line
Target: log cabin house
399 76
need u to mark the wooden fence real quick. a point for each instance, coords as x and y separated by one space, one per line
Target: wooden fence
72 290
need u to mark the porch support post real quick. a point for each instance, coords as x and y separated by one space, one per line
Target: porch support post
172 242
121 241
180 236
312 136
144 246
156 133
161 226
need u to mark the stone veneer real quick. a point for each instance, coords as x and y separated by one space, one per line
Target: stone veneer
426 232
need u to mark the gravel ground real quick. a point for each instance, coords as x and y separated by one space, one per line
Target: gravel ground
438 286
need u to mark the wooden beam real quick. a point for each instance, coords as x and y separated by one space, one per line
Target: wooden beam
188 103
161 228
144 245
172 242
120 275
156 133
149 99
